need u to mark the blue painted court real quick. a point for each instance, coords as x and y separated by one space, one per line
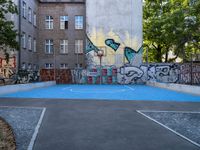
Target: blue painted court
105 92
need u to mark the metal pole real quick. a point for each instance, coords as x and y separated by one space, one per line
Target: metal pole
147 61
54 65
19 28
100 57
191 69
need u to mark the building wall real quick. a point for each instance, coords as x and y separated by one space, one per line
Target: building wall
71 34
119 22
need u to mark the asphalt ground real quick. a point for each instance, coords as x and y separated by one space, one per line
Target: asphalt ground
104 125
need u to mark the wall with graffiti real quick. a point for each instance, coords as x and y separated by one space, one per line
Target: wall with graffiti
7 69
128 74
116 28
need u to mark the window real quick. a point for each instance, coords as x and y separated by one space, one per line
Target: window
79 46
35 67
23 66
24 9
29 42
49 22
49 46
29 14
63 22
63 46
23 40
48 66
34 19
34 45
29 66
78 22
63 66
79 65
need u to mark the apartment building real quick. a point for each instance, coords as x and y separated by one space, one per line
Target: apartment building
64 34
52 35
61 36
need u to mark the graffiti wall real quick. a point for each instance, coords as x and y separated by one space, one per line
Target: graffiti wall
7 69
129 74
116 28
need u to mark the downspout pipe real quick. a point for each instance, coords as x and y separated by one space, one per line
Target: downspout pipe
19 29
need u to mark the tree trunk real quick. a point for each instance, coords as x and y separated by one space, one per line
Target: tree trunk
159 54
166 56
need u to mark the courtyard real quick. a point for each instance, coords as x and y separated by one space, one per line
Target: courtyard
102 124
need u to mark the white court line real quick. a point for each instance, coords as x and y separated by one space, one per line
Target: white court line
30 147
27 107
164 111
139 111
132 89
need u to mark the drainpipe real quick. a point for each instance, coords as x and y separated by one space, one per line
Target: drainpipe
19 29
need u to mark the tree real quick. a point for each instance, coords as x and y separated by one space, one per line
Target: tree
7 32
171 26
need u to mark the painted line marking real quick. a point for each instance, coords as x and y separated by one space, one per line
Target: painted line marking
27 107
184 137
165 111
132 89
31 144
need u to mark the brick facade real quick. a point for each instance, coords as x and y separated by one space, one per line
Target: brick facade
56 34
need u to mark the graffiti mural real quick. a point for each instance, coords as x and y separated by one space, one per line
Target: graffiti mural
129 75
90 46
111 43
196 74
7 69
130 53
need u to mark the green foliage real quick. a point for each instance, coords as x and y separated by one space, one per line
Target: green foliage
7 32
171 25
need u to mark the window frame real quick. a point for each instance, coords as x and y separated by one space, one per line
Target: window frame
65 66
23 39
63 21
29 43
49 23
34 19
79 44
49 65
24 9
65 45
79 22
34 45
29 14
50 45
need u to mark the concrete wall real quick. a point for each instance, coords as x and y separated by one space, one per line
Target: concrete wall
24 87
177 87
119 22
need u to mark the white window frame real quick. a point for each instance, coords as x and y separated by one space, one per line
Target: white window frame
23 40
64 19
24 9
78 46
30 14
79 22
34 45
64 47
34 19
29 67
49 66
79 65
63 66
23 66
29 42
49 49
49 22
